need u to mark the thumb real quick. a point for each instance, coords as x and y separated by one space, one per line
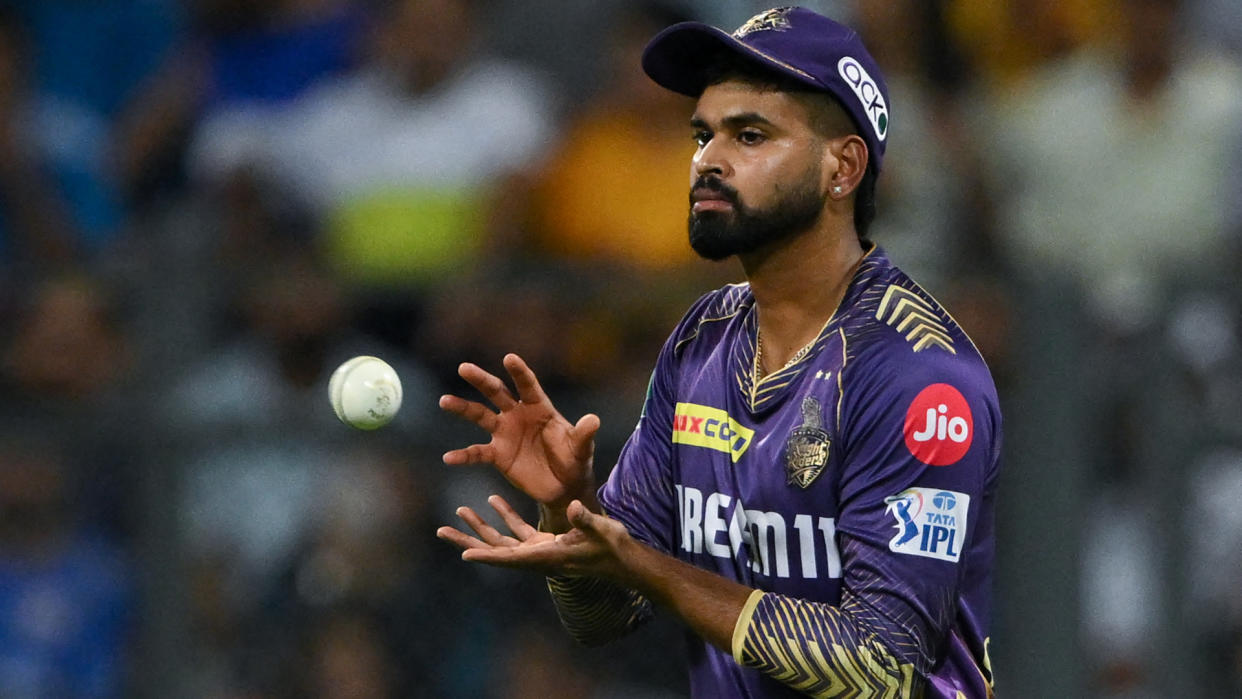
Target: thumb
580 516
584 435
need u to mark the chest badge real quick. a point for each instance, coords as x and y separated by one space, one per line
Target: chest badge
806 451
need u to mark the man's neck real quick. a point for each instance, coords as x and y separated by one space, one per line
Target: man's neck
798 285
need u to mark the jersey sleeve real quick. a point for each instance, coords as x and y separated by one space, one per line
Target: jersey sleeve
920 443
639 492
593 610
921 439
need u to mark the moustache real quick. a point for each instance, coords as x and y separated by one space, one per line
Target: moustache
717 187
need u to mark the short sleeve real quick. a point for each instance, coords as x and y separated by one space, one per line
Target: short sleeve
921 439
639 492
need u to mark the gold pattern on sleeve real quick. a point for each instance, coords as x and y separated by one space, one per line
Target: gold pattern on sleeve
595 611
915 318
743 623
815 650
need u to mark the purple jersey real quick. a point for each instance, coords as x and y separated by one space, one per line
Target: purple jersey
861 476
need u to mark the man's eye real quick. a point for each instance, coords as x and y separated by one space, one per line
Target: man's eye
750 138
702 137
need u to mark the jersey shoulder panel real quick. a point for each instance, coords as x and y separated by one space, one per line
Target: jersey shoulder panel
911 315
894 325
901 346
708 315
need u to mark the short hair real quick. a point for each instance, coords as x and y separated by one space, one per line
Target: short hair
826 119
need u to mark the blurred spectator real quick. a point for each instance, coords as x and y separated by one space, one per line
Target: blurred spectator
1116 168
934 214
1216 565
407 157
261 452
257 408
37 231
1121 167
218 94
65 592
348 660
1220 21
607 214
615 192
1006 40
66 360
924 216
86 59
536 663
68 345
369 556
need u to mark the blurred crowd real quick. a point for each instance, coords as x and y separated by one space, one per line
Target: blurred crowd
207 205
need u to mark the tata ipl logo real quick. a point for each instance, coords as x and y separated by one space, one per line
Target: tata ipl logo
930 522
868 92
905 507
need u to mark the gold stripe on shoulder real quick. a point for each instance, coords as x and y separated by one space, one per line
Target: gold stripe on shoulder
915 318
728 307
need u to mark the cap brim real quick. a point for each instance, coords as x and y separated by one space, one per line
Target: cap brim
680 58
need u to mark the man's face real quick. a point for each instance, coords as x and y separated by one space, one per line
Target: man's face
756 177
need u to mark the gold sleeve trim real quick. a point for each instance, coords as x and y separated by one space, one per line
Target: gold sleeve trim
742 626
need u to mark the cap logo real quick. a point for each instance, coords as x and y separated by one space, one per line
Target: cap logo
868 93
773 19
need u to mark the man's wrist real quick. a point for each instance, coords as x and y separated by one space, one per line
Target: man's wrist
553 520
552 517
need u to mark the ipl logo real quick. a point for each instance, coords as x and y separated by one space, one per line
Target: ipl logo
905 507
930 522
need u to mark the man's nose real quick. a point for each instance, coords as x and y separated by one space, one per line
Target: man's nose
710 160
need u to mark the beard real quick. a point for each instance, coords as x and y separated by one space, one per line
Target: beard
716 235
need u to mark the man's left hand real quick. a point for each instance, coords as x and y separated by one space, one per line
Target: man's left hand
594 547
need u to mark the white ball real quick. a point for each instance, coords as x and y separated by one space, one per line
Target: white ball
365 392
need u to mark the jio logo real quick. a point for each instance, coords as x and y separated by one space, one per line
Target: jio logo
939 427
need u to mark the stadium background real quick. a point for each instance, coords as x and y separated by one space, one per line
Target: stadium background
205 205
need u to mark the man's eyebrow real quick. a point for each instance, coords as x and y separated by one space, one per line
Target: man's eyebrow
734 121
737 121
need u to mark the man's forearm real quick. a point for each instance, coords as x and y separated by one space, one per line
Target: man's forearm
819 649
597 610
708 603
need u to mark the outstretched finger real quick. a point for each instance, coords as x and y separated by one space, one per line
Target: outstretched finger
520 528
471 410
486 532
460 538
473 454
488 384
528 388
547 556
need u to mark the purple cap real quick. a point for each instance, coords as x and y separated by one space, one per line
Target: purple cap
791 41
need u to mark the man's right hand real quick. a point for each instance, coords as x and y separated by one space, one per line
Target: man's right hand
532 444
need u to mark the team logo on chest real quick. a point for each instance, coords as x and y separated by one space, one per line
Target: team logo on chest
806 451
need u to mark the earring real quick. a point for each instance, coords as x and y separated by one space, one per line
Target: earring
837 189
